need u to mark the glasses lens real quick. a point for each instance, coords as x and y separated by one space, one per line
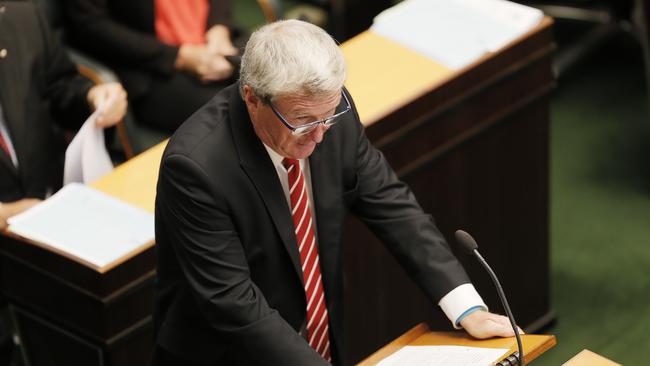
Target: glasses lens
330 121
303 130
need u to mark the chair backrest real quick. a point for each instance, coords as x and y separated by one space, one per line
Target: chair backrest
89 68
272 9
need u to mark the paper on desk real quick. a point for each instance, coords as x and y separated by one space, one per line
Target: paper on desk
86 224
455 33
86 158
444 356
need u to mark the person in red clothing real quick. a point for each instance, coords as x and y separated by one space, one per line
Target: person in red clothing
170 55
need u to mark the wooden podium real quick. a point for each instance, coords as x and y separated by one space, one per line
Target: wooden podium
70 313
534 345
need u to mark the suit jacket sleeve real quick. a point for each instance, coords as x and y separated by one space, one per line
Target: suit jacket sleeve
211 257
93 29
389 208
63 86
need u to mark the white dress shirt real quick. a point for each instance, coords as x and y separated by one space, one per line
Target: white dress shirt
5 135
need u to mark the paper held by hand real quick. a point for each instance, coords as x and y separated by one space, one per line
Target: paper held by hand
86 158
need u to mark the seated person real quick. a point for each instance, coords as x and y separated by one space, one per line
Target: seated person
39 86
170 55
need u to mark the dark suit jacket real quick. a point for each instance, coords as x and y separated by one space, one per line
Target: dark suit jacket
38 84
122 34
229 279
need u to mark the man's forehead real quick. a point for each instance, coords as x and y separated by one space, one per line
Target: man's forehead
301 102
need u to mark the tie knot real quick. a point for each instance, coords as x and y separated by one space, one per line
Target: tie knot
290 164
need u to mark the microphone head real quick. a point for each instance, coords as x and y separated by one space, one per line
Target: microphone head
466 241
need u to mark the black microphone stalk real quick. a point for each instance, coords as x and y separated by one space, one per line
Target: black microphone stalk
469 245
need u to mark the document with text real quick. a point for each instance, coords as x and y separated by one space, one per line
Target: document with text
86 224
455 33
444 356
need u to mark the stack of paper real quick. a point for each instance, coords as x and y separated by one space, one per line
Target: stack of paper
444 356
87 225
455 33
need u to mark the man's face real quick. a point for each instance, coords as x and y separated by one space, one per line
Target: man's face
297 110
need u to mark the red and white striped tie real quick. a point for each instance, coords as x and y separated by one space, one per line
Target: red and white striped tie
4 146
317 319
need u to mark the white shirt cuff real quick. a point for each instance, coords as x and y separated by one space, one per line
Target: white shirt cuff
459 300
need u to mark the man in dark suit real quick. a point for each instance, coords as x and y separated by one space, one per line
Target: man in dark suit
38 87
252 193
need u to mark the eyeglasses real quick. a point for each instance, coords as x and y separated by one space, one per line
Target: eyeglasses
308 127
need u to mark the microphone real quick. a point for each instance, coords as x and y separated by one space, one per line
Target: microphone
468 244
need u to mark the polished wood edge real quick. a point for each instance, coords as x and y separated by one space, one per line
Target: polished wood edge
534 345
549 343
544 24
587 357
49 248
99 269
455 102
126 257
130 287
395 345
138 326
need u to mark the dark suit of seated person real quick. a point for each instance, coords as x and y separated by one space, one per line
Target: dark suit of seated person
41 93
38 86
169 54
251 198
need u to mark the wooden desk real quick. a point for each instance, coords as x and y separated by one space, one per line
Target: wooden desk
69 313
534 345
588 358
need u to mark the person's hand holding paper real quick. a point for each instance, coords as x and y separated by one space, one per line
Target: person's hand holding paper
110 99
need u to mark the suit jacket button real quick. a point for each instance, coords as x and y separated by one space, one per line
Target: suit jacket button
3 53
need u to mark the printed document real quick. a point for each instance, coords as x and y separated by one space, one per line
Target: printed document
455 33
444 356
86 224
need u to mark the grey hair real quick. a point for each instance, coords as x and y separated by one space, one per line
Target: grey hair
292 57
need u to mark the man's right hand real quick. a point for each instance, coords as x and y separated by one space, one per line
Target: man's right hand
207 66
10 209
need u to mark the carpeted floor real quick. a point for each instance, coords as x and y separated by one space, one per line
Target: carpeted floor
600 208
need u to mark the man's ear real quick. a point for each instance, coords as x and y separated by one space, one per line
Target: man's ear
251 99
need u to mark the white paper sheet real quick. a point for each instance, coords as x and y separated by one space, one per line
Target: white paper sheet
444 356
86 158
455 33
86 224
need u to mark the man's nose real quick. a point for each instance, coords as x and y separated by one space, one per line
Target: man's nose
318 133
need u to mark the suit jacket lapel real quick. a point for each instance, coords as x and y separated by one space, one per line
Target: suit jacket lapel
257 164
5 96
327 204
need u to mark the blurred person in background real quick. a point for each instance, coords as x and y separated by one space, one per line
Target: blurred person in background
41 93
171 56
